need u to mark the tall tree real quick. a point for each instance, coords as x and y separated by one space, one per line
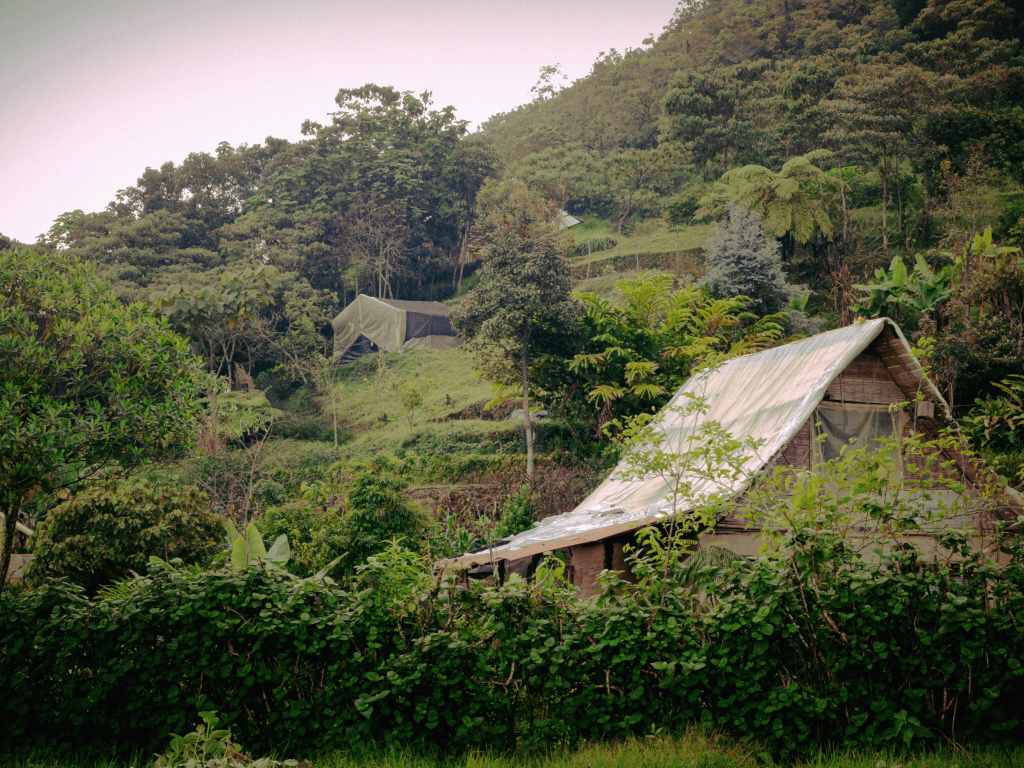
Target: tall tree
525 286
86 382
741 261
383 149
712 112
636 172
215 317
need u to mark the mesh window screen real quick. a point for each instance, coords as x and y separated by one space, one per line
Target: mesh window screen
854 426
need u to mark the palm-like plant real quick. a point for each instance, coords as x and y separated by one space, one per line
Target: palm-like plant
793 202
644 347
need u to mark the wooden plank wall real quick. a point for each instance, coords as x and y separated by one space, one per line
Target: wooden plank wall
865 380
797 452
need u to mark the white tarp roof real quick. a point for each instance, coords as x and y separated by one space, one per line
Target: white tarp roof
766 396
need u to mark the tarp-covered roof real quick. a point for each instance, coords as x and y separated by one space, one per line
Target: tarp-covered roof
391 325
766 396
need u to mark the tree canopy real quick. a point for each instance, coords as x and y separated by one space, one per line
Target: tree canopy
87 382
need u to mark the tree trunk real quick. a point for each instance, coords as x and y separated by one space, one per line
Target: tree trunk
678 267
527 424
899 200
334 408
10 531
885 208
462 258
842 197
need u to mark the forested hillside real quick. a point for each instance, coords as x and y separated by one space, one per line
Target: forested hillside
859 131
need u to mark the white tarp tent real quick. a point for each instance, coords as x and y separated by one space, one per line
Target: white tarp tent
368 324
766 396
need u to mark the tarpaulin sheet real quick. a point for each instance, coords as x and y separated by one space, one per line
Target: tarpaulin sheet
766 396
394 326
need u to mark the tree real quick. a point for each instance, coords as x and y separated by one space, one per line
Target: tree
387 169
525 283
711 112
636 171
643 344
791 201
215 316
87 383
741 261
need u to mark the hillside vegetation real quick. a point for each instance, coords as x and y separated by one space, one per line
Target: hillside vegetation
758 172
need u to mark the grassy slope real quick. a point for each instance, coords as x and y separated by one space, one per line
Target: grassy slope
445 380
653 238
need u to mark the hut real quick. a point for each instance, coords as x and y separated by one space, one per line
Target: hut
837 386
369 324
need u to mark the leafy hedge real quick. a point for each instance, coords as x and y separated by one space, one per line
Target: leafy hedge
879 655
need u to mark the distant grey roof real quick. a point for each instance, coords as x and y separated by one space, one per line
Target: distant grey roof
568 220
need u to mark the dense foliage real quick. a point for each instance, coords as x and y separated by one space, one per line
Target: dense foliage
86 381
881 655
111 528
640 346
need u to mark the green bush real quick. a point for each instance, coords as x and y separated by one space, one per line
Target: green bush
378 514
114 527
879 655
268 492
517 515
317 535
313 429
812 646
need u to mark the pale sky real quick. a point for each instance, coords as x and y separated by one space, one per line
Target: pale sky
94 91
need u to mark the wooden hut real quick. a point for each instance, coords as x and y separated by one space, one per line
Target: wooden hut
837 386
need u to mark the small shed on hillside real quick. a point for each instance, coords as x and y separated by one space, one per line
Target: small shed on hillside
369 324
837 385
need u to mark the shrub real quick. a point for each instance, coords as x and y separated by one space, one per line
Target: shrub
811 646
268 492
114 527
311 428
874 655
594 244
378 514
517 515
317 535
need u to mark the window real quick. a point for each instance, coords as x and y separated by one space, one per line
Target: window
854 425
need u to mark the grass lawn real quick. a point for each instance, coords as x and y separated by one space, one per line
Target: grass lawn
696 747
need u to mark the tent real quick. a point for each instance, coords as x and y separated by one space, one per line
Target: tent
369 324
841 383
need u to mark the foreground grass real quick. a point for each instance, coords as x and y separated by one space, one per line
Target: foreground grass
696 747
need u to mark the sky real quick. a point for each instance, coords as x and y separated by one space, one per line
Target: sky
92 92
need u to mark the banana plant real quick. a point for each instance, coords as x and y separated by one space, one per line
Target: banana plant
928 288
250 550
885 293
